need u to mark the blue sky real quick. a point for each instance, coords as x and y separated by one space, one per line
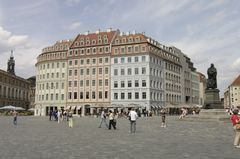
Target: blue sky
208 31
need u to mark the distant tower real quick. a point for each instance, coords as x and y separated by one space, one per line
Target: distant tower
11 64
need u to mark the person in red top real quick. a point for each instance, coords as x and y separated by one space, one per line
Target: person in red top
235 120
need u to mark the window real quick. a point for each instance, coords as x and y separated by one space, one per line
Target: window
75 72
106 94
129 83
122 95
93 71
106 70
87 71
93 95
136 48
87 95
81 83
82 62
136 71
144 84
136 59
115 72
70 63
88 61
106 60
129 71
122 60
115 84
100 60
143 70
70 72
115 60
51 96
93 82
75 95
122 50
69 83
129 49
122 71
87 83
106 82
144 95
63 75
129 59
62 97
62 85
100 82
100 94
122 84
136 95
75 83
115 95
82 72
93 61
76 62
100 71
129 95
136 83
81 95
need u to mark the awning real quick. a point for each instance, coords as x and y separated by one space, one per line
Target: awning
79 107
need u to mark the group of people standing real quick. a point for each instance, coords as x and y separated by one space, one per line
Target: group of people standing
112 116
61 115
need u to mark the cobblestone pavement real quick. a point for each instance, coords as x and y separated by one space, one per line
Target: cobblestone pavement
36 137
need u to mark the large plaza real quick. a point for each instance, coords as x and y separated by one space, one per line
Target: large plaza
37 137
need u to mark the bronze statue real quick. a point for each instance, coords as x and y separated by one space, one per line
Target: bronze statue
212 77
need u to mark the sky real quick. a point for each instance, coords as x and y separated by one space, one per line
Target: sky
208 31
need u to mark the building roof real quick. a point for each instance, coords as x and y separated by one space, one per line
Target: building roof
236 82
90 37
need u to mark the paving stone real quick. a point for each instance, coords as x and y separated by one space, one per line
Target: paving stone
36 138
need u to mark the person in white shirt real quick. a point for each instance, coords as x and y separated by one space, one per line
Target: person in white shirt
132 117
103 119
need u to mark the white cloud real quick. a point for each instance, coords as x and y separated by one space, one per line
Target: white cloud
236 64
25 52
75 25
9 41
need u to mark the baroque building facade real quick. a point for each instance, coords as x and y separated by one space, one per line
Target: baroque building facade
110 69
232 94
14 90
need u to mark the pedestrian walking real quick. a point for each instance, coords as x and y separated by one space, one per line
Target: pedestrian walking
15 114
133 118
58 115
50 115
103 119
163 114
235 120
111 120
70 119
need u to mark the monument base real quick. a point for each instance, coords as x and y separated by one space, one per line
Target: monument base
212 100
210 115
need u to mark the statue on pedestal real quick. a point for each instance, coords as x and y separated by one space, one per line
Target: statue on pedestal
212 100
212 77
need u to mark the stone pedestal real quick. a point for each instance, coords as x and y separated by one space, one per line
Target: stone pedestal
212 100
